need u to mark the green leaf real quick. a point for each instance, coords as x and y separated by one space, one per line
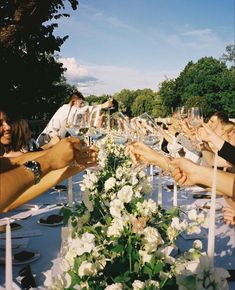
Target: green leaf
118 249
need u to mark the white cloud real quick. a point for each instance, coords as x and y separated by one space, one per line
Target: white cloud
98 79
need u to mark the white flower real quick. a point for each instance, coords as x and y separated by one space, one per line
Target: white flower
192 214
109 183
116 228
84 245
138 285
119 172
87 269
116 286
125 194
197 244
152 239
146 258
116 206
147 207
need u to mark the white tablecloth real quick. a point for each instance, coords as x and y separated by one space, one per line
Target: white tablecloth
48 243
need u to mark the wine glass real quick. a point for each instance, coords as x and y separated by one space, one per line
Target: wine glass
119 128
77 122
195 116
149 130
98 123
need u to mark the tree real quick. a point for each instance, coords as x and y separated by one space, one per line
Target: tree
167 92
30 72
229 56
125 99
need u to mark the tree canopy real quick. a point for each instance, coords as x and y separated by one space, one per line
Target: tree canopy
31 75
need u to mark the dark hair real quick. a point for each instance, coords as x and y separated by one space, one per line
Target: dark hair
20 135
221 116
76 95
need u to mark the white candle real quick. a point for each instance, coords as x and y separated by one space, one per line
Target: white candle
211 233
70 192
159 195
8 268
175 203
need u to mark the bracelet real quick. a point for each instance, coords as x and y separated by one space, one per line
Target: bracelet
35 168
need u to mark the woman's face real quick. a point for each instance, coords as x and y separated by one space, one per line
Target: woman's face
5 129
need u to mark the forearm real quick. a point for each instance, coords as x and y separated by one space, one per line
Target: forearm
225 181
14 182
47 182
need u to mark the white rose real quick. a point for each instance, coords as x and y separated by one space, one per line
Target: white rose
109 183
146 258
116 228
125 194
86 269
84 245
116 206
197 244
192 215
152 239
138 285
116 286
119 172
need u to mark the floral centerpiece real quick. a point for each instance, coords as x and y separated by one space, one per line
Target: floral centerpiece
122 240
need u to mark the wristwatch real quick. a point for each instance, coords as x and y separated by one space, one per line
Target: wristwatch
34 167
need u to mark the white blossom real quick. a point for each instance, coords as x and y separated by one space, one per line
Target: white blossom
125 194
109 183
115 286
87 269
138 285
152 239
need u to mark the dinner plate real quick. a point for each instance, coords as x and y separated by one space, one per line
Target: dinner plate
55 224
16 262
14 226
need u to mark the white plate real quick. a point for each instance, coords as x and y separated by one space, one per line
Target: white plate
17 262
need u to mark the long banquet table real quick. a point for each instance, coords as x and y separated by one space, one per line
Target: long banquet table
47 240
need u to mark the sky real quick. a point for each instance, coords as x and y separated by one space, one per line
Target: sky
136 44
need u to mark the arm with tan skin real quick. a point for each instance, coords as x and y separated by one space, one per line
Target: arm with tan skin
143 153
187 173
49 180
16 181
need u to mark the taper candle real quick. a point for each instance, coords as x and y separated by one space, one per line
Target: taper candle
8 267
70 191
159 195
211 232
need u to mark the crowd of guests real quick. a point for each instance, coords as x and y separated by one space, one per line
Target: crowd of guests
28 167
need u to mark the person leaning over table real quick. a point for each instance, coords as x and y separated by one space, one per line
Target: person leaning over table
196 174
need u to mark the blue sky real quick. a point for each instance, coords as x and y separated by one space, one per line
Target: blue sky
117 44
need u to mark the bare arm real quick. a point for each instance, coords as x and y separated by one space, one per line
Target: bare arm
16 181
188 173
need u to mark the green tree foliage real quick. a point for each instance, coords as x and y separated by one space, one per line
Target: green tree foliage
229 55
126 99
167 93
31 76
208 80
